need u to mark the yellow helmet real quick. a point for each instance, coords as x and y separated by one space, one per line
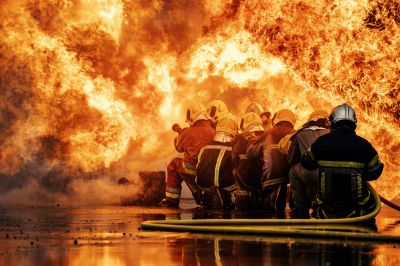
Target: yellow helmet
217 109
284 115
284 144
258 109
318 114
255 107
227 124
195 112
251 122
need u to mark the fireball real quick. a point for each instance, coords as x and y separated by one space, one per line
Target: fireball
91 88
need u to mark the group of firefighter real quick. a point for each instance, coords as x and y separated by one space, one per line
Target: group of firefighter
248 164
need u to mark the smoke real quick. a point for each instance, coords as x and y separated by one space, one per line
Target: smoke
90 89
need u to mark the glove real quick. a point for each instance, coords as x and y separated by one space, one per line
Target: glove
177 128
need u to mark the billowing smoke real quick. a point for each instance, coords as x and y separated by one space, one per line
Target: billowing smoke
89 89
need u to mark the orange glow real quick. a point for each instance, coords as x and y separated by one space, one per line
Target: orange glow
236 58
107 14
96 85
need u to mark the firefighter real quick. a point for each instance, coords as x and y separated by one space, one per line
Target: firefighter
214 167
346 162
304 183
275 170
262 112
247 172
217 109
189 141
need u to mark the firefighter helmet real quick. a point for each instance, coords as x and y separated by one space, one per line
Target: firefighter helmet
217 109
343 112
258 109
318 114
255 107
227 124
284 115
251 122
195 112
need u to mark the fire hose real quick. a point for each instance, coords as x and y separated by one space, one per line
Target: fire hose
310 228
389 203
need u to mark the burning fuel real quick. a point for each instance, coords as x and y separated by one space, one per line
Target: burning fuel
90 89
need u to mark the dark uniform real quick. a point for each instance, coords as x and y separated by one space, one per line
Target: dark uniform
275 172
214 175
346 162
247 172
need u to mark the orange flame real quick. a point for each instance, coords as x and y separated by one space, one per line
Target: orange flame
104 80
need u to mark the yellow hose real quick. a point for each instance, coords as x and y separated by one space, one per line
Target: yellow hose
278 227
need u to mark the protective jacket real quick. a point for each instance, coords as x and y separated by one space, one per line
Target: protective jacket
214 174
302 141
346 162
192 139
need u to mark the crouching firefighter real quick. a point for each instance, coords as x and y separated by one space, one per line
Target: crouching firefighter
214 167
189 141
247 172
275 170
304 183
346 162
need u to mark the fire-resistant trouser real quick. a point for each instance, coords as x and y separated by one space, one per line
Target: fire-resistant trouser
274 197
274 179
247 197
178 171
304 187
323 211
216 198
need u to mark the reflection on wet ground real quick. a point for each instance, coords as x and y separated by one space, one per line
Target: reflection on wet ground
56 235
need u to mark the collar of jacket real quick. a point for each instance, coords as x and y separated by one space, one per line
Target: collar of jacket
314 128
202 123
344 129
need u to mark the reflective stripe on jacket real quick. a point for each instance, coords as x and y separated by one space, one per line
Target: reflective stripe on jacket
214 167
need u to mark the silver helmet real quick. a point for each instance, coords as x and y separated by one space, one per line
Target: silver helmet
343 112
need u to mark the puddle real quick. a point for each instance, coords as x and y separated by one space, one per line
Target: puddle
110 235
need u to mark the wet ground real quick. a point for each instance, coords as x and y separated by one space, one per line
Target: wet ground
110 235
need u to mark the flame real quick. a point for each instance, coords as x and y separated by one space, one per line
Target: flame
112 141
107 14
236 58
103 141
159 75
95 86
